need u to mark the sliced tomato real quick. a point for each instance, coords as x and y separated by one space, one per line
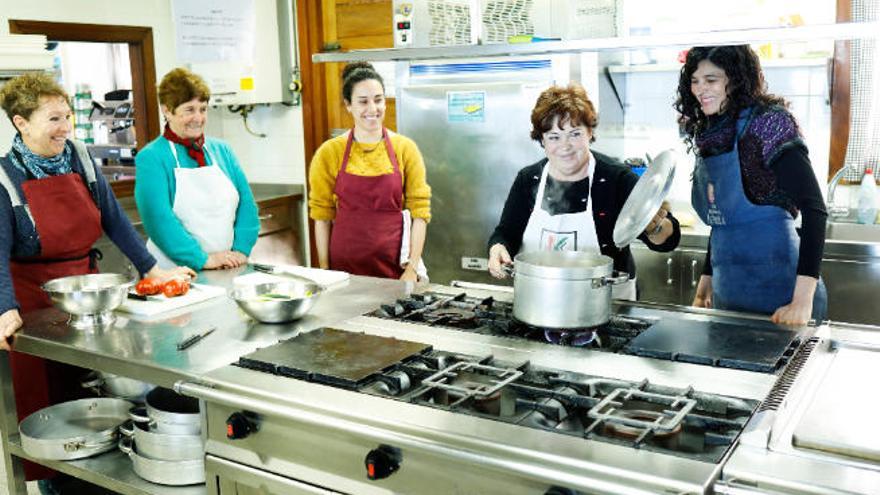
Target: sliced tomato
175 287
148 287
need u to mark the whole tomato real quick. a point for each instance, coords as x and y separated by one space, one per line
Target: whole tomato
175 287
148 287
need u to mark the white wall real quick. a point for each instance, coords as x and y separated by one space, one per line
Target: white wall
279 158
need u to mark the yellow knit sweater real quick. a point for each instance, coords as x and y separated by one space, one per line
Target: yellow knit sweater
368 160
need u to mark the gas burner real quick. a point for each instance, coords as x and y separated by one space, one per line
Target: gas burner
615 412
490 316
574 338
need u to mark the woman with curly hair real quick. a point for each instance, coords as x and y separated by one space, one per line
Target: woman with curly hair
752 179
571 199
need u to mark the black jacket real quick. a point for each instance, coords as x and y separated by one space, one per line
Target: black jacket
610 185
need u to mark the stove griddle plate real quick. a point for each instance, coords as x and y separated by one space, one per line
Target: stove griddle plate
332 356
753 348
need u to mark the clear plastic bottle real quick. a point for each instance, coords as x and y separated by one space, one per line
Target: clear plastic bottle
867 205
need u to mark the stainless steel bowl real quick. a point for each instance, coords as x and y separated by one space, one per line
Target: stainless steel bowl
90 299
277 302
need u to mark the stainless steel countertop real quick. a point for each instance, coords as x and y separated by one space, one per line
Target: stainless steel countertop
147 348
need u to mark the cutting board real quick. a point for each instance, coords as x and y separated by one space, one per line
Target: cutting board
160 304
842 416
751 346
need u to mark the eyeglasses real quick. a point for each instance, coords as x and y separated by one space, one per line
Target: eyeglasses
574 136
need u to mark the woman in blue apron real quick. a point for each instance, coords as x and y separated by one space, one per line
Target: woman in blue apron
751 181
571 199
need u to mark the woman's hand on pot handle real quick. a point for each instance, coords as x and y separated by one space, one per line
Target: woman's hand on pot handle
703 297
10 322
498 259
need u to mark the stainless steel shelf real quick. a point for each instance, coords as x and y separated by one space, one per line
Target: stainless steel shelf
112 470
840 31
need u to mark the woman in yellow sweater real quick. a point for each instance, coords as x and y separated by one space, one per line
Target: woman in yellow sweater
361 182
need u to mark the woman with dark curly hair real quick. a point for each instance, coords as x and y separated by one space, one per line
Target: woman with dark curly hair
752 179
570 200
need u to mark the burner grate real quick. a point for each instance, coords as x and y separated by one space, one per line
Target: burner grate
613 410
446 379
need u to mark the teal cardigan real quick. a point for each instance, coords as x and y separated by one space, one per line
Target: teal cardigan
154 194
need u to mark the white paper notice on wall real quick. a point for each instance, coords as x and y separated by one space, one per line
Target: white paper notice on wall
216 31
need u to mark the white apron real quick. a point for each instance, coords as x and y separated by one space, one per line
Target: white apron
567 232
205 203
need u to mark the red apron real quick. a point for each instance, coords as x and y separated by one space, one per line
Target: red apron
68 223
366 234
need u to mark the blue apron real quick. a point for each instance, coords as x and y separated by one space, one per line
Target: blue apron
755 248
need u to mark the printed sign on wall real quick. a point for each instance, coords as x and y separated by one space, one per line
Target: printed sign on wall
217 31
466 106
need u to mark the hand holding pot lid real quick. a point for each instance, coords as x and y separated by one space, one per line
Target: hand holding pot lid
645 200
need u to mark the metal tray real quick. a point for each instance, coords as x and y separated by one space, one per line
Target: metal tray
332 356
75 429
755 347
645 199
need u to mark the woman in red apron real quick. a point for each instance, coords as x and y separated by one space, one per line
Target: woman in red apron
360 183
53 207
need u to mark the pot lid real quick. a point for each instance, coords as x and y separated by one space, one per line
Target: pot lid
645 199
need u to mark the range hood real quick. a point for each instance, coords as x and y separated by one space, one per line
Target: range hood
22 53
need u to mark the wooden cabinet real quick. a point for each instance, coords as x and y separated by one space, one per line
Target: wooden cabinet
280 239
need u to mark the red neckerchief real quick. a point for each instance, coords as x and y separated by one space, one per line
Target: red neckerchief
195 148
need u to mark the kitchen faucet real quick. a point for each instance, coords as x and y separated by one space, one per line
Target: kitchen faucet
834 210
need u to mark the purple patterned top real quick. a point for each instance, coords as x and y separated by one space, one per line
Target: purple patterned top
770 131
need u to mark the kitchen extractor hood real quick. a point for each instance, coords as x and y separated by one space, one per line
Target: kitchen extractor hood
23 53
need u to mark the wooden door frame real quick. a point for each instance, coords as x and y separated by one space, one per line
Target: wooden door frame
841 68
310 33
142 61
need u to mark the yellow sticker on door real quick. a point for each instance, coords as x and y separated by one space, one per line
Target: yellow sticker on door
246 84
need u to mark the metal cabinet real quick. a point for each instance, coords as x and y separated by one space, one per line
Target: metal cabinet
230 478
668 277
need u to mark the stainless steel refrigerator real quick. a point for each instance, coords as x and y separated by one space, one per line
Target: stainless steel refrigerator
471 123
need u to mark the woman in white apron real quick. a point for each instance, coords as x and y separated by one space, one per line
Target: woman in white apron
191 193
571 199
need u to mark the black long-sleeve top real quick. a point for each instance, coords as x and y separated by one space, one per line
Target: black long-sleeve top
612 183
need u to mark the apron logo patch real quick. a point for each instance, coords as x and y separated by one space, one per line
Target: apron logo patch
558 241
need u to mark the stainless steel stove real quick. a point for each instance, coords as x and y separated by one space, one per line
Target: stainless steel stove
753 346
680 422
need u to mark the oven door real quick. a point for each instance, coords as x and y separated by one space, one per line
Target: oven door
230 478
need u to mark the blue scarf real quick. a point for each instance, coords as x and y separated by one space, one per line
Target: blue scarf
39 166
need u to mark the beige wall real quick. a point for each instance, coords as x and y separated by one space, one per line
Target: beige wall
277 158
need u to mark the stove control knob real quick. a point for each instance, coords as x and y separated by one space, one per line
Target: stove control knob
239 425
382 462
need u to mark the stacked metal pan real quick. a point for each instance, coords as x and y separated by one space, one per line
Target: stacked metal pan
164 439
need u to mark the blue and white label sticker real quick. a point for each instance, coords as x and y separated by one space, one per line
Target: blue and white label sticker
466 106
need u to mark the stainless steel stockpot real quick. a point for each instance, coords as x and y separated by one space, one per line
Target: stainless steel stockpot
172 473
169 412
563 289
164 446
116 386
